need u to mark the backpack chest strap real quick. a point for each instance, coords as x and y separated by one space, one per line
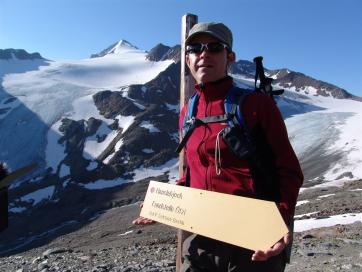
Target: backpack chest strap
196 122
215 119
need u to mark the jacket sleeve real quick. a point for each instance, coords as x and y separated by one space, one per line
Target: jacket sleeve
262 111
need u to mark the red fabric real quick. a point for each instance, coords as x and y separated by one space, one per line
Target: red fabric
235 178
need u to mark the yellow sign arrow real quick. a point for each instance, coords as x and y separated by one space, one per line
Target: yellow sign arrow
246 222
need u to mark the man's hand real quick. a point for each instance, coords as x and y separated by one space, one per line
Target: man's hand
263 255
142 220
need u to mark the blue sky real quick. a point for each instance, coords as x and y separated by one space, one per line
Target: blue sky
320 38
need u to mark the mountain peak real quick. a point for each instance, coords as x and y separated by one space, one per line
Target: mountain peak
119 46
115 49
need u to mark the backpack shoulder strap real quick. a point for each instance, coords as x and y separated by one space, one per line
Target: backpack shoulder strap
190 111
232 103
188 123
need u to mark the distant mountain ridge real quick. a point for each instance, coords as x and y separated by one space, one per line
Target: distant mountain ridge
243 67
162 52
286 78
21 54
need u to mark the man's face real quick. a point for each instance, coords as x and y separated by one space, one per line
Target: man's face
208 66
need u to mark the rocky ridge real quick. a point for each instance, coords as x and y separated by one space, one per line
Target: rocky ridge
162 52
20 54
288 79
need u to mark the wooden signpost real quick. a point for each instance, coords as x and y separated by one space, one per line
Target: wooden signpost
4 184
16 174
186 89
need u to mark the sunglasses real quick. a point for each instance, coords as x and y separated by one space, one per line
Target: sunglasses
212 47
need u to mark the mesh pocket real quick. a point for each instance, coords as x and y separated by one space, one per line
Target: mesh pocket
238 141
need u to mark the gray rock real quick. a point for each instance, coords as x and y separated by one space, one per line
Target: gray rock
52 251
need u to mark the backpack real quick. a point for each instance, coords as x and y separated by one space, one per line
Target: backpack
235 136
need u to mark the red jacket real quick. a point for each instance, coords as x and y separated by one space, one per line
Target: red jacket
261 116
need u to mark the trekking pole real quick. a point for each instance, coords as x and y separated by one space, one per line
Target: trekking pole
186 88
265 85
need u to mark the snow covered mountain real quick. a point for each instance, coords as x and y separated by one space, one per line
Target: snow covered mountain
117 48
93 125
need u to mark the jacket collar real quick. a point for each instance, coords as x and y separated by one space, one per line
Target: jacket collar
215 90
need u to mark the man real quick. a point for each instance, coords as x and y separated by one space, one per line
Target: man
208 55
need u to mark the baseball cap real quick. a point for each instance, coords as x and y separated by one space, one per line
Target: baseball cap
217 30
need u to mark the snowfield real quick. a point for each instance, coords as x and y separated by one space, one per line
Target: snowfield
51 90
313 223
55 89
322 127
334 130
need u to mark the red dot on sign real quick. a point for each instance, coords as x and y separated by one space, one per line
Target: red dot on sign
152 189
